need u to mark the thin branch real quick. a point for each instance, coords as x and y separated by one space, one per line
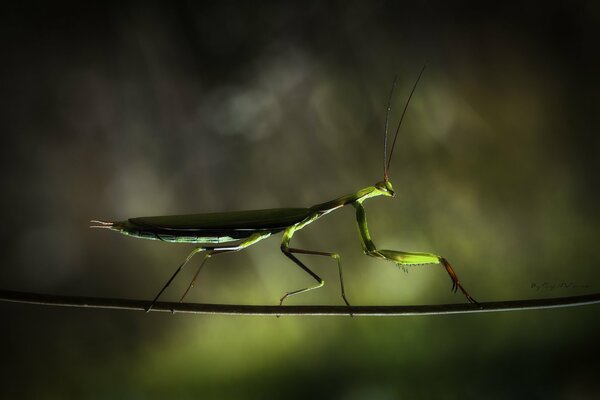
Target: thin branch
234 309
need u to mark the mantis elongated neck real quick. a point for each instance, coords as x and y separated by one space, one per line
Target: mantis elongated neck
352 198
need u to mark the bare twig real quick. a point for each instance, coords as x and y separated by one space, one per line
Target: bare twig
233 309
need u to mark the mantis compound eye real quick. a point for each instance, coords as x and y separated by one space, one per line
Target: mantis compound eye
390 188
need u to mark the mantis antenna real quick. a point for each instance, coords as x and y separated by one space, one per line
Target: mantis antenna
387 167
387 117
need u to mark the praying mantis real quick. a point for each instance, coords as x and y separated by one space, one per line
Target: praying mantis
226 232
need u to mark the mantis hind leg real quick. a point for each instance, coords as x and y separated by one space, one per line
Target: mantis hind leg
177 271
252 239
208 255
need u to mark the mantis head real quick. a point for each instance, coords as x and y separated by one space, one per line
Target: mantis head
385 188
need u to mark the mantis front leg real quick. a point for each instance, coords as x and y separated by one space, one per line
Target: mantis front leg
403 258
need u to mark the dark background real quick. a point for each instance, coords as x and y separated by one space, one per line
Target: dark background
118 110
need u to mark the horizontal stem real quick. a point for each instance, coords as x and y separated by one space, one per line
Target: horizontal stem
234 309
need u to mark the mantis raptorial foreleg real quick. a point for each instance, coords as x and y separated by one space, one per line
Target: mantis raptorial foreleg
403 258
211 251
287 236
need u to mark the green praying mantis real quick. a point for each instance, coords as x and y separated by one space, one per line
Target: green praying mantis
221 233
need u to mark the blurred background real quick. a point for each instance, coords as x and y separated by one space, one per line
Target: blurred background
117 110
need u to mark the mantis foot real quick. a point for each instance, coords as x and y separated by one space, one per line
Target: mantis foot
455 282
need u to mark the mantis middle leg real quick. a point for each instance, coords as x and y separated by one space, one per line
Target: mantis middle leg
403 258
287 236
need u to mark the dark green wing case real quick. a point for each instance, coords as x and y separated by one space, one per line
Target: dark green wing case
275 219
